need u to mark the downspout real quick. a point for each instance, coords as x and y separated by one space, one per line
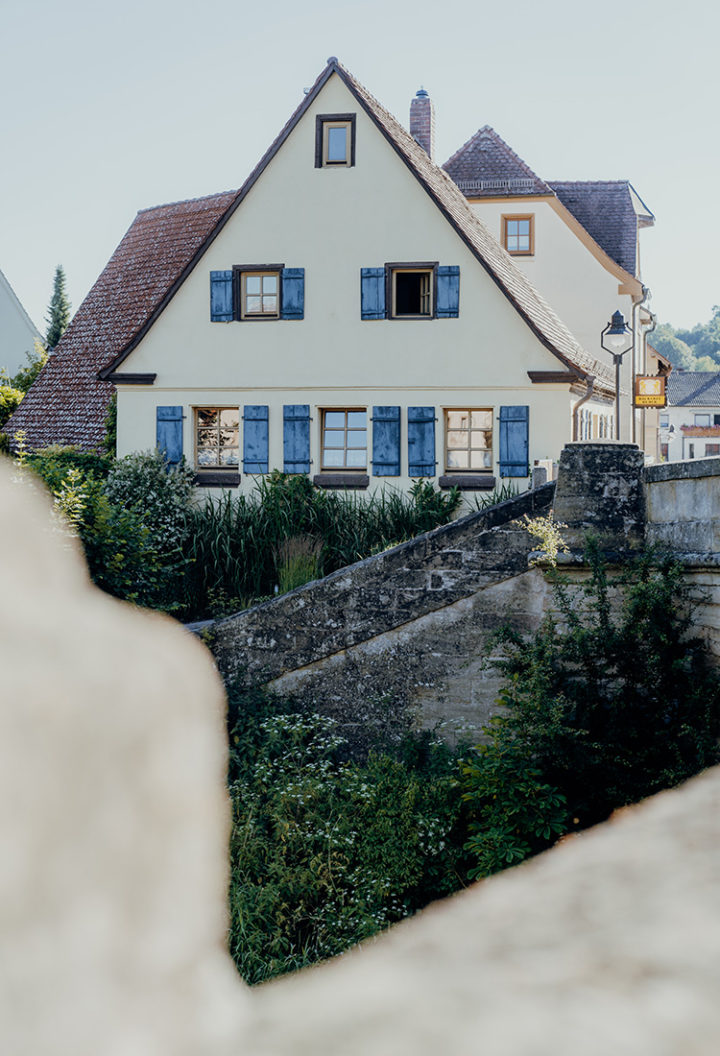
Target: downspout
648 330
637 305
590 382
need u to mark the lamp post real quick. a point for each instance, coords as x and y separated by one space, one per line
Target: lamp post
616 335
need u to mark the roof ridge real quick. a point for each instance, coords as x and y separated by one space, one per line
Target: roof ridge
592 183
187 201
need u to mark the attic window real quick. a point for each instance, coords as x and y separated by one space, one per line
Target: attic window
518 234
334 141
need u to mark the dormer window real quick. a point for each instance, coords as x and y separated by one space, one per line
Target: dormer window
518 235
334 141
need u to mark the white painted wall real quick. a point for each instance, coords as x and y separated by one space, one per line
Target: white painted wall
683 446
333 222
570 278
578 286
17 333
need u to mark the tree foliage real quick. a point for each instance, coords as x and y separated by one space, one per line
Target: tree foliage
609 702
691 349
58 315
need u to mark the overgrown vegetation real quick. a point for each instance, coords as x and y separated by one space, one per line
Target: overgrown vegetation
325 851
237 544
609 702
148 540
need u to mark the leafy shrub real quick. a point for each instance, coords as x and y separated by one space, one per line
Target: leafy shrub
10 399
53 463
604 706
143 482
326 852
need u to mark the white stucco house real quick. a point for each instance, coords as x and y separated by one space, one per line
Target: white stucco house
347 314
690 424
18 333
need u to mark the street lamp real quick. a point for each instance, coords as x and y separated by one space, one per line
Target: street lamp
614 339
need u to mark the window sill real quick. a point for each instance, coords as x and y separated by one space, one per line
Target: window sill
209 478
351 481
468 481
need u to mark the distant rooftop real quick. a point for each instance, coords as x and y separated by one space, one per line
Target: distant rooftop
700 388
611 211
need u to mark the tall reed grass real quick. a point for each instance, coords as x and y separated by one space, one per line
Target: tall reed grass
234 541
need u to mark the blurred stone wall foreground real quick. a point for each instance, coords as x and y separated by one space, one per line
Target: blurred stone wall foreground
112 886
112 814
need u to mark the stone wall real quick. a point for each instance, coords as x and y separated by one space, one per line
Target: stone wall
683 517
406 637
401 630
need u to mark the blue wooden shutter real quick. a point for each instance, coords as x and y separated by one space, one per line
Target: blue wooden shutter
293 293
221 296
169 433
372 293
255 439
514 437
386 441
448 292
421 441
296 438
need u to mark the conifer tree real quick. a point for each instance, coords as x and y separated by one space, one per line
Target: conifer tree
58 315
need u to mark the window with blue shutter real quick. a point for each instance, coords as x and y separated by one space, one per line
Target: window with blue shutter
296 438
421 441
447 303
255 439
293 293
514 441
169 433
221 296
372 293
386 441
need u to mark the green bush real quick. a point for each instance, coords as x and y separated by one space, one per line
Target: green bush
602 707
326 852
130 515
10 399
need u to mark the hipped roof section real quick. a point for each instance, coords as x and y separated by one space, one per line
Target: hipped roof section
67 404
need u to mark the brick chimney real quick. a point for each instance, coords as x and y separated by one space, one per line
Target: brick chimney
422 122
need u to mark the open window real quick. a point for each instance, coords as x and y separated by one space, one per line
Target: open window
412 292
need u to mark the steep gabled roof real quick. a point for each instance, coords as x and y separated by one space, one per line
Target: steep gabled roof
69 400
486 166
606 210
67 404
699 388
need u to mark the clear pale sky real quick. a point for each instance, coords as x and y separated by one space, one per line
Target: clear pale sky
113 107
